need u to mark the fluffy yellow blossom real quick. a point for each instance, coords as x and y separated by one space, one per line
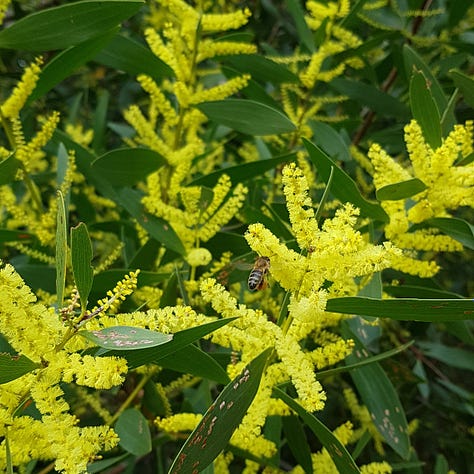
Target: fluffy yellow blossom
179 422
12 106
447 187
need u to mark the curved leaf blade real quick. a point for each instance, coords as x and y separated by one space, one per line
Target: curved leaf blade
402 190
81 257
8 169
134 432
405 309
127 166
343 186
13 367
125 54
181 339
458 229
66 62
338 452
126 338
247 116
66 25
380 398
424 109
243 172
213 433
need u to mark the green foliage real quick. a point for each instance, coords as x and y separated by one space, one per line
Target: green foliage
189 141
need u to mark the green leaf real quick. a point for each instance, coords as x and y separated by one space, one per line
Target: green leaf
66 62
458 229
158 228
194 361
413 63
81 257
369 96
261 68
66 25
125 54
453 356
329 140
13 367
364 361
212 434
247 116
304 33
61 250
127 166
406 309
126 338
7 235
424 109
465 84
99 123
8 169
297 442
339 454
134 432
243 172
343 186
380 398
180 340
402 190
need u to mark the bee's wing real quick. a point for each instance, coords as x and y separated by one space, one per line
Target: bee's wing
241 265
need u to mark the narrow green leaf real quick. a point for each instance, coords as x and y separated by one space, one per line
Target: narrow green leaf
369 96
304 33
424 109
68 61
406 309
413 62
181 339
458 229
343 187
8 169
212 434
66 25
8 453
13 367
99 123
158 228
194 361
329 140
465 84
104 464
134 432
81 257
247 116
7 235
261 68
453 356
297 442
365 361
243 172
402 190
125 54
380 398
61 250
127 166
339 454
126 338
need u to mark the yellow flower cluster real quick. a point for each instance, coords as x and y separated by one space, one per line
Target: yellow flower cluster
200 219
336 253
38 333
448 187
11 107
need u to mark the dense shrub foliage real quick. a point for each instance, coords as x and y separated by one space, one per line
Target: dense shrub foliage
234 237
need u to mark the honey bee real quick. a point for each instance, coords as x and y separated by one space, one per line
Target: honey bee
257 278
